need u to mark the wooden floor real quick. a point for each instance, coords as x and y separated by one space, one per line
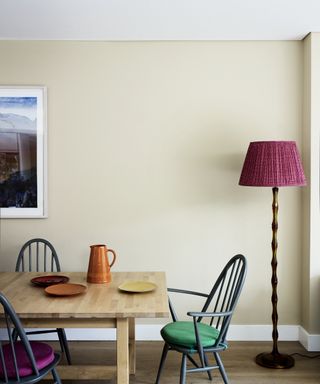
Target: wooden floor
238 361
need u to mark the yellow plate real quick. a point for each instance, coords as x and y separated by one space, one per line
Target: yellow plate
137 286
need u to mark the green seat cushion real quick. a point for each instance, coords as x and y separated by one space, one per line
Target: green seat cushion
182 333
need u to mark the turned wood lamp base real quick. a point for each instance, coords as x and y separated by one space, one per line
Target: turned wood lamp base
275 360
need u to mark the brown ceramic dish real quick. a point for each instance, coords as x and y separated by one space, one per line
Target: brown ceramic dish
65 289
45 281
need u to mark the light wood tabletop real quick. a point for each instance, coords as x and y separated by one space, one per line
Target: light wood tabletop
101 305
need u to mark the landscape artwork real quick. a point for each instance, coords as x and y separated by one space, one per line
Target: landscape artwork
22 152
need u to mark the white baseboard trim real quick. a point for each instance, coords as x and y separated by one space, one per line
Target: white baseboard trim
262 332
310 342
151 332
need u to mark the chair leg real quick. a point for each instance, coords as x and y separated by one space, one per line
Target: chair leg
64 344
56 378
221 368
206 361
163 358
183 369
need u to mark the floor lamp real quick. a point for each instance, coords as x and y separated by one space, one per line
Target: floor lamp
273 164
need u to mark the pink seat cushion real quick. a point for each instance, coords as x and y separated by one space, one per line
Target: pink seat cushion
43 355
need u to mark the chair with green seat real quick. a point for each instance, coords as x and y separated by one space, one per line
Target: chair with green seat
205 335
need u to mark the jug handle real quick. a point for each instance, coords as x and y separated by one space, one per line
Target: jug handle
114 256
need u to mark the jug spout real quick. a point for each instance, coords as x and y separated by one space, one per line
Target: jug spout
99 266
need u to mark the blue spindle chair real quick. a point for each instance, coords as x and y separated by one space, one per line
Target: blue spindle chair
23 361
205 334
39 255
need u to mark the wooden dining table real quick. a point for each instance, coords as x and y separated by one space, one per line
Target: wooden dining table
100 306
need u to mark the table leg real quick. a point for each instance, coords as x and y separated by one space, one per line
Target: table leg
122 351
132 346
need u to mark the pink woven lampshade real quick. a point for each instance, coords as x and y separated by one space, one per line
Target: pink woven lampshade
272 164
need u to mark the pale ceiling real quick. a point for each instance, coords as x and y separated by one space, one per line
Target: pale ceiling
158 19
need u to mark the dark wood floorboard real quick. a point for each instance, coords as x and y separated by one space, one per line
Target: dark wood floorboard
238 360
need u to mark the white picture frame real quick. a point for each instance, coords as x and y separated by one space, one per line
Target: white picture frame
23 152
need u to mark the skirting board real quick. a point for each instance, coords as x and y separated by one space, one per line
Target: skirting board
151 332
310 342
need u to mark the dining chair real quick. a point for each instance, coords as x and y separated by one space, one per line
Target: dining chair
205 334
39 255
23 361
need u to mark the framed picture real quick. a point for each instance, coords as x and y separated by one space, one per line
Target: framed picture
23 152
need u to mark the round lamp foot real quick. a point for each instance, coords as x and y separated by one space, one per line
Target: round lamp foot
275 360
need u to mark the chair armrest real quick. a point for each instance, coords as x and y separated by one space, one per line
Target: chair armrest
209 314
187 292
184 291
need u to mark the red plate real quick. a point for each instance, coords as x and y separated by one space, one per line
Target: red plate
45 281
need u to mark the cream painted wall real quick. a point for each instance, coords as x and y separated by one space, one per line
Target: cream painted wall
146 142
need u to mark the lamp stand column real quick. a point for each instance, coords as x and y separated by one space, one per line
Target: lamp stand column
274 359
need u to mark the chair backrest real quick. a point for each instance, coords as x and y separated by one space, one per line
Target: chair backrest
225 294
38 255
9 362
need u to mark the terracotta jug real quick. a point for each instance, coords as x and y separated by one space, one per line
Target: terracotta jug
99 267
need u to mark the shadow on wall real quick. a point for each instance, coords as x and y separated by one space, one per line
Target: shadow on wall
212 164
